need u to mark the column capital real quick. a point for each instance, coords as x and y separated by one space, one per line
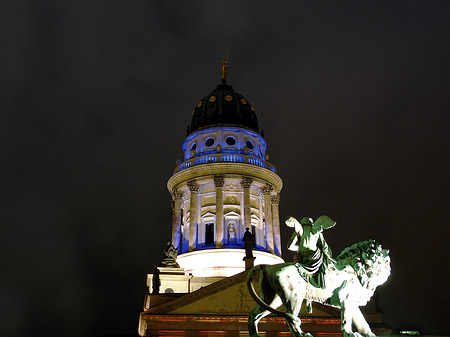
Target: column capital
176 194
267 189
219 181
275 198
246 182
193 186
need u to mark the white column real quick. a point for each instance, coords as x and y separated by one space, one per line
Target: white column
219 182
246 183
193 187
260 231
176 218
268 215
276 223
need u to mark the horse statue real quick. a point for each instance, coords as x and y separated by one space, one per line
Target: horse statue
348 284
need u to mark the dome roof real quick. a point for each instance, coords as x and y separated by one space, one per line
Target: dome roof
223 106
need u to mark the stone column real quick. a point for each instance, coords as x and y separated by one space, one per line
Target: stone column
218 182
276 223
176 218
268 215
260 231
246 183
193 187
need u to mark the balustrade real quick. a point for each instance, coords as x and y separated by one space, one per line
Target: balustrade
224 157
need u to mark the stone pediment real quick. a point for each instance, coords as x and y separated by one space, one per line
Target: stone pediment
229 296
208 214
231 213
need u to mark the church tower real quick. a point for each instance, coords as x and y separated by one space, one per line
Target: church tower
224 184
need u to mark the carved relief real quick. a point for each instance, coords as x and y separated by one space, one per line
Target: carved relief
232 187
186 196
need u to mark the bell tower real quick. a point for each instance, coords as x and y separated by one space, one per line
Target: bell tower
224 184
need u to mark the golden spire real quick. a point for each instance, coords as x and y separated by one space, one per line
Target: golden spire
224 69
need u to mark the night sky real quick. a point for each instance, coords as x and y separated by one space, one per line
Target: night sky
353 98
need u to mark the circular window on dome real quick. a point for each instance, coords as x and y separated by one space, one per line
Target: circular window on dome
230 141
212 98
228 98
209 142
243 101
249 144
199 104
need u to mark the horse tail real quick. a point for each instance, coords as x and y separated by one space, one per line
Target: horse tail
260 268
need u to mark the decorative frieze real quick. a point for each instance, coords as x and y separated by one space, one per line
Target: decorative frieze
230 187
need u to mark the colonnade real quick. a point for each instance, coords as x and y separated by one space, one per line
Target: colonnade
270 214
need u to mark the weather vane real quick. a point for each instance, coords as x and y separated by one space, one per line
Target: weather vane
224 69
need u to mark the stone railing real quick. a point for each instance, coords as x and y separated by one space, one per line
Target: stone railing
224 158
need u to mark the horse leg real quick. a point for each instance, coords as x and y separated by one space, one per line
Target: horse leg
361 324
347 314
293 306
257 313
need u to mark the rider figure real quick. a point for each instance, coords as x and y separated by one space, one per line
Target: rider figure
313 253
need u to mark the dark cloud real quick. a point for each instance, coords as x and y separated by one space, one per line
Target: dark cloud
96 98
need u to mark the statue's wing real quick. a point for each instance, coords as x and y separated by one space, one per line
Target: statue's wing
324 222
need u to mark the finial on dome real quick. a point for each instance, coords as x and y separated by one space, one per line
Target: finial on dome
224 69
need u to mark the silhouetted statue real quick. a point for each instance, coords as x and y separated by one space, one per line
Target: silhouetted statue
249 241
156 281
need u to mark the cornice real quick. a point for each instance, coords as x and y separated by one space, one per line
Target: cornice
208 171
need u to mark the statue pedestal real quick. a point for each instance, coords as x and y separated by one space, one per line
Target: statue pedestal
171 270
249 262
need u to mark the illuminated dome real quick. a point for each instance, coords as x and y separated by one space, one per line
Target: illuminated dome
224 106
223 186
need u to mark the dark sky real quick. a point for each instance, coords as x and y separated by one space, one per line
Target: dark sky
353 96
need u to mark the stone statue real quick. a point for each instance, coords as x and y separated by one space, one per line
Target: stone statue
358 270
249 241
313 253
156 281
231 233
170 257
